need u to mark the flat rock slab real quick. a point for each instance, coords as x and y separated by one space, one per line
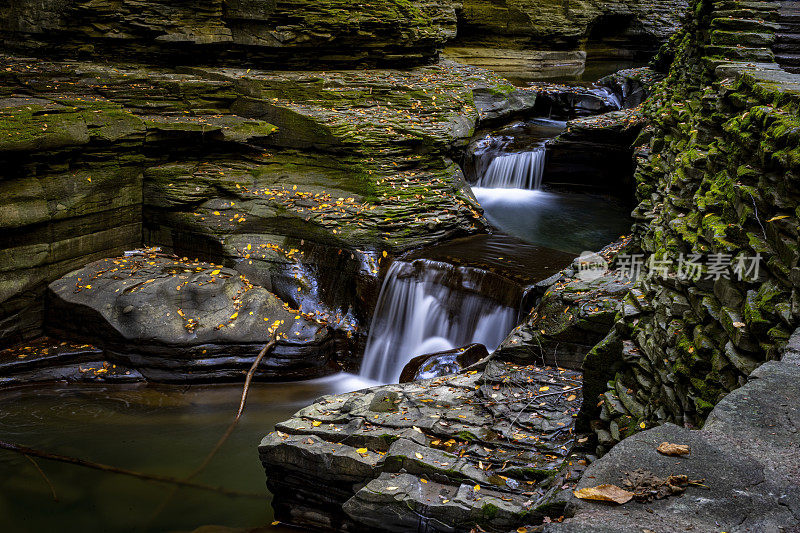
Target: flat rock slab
748 454
483 447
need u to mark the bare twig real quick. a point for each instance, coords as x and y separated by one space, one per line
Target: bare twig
44 476
122 471
228 432
232 426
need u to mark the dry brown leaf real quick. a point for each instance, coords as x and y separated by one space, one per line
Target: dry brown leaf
673 450
605 493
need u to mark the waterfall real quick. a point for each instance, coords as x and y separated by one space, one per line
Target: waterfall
427 306
522 170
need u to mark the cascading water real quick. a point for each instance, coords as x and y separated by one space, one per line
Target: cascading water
428 306
522 170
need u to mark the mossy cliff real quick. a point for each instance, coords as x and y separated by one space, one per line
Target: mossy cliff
717 184
294 178
280 33
625 26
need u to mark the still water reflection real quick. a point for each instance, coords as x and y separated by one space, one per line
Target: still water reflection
165 430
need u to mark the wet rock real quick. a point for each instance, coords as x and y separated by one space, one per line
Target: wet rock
575 312
49 360
189 320
482 447
631 86
746 456
428 366
569 101
596 152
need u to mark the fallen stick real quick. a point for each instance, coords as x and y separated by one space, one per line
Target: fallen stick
233 424
122 471
44 476
228 432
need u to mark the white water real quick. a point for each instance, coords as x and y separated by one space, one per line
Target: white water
418 314
522 170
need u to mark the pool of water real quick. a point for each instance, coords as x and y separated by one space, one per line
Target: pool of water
569 222
166 430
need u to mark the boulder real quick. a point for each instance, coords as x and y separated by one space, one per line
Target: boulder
746 456
178 320
434 365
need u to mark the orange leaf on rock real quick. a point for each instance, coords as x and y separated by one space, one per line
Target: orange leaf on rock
605 493
673 450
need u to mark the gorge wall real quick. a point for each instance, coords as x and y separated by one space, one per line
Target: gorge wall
718 191
621 27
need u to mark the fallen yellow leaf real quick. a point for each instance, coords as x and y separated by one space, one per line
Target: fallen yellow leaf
781 217
673 450
316 423
418 455
362 450
605 493
477 487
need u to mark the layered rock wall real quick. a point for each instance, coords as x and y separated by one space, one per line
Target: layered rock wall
280 33
628 27
717 228
294 178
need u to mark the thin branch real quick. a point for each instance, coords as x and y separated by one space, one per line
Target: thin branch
228 432
44 476
122 471
232 426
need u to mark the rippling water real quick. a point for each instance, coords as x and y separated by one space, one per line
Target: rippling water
164 430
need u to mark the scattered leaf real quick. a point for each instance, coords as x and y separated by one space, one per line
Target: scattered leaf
673 450
362 450
605 493
418 455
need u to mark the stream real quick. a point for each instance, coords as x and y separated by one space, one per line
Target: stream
451 294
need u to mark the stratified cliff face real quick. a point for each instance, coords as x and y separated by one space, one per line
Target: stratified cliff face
278 33
627 26
303 182
717 226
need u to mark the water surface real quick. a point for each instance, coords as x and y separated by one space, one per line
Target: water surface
157 429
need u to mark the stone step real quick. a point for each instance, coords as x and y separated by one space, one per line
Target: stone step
783 49
792 60
787 37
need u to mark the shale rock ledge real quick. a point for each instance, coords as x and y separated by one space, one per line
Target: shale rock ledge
487 447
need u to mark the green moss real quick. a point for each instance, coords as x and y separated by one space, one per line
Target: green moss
467 436
489 511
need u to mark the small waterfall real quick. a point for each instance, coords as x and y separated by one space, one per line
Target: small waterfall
427 306
522 170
